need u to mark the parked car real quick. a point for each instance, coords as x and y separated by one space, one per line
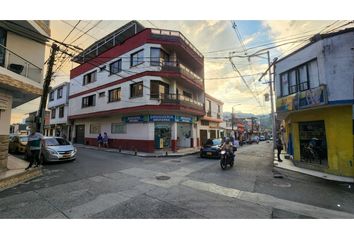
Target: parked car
57 149
211 148
17 143
253 139
262 138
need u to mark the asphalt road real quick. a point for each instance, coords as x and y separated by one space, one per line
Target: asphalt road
111 185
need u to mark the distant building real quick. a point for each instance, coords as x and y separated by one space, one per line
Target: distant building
58 105
22 56
143 86
209 125
314 91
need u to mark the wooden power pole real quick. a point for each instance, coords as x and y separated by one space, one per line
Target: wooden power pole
48 78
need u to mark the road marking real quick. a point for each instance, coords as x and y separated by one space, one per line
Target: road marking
268 200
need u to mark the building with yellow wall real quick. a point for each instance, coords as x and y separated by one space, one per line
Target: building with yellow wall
314 89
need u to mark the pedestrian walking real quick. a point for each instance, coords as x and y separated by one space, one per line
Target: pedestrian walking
279 145
105 140
33 148
99 140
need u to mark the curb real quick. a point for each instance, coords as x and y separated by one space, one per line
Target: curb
19 178
141 155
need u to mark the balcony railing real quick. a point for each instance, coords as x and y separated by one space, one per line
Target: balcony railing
180 99
17 64
179 67
176 34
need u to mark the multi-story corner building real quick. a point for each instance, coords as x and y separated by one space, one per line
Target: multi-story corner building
144 87
58 105
22 53
210 123
314 89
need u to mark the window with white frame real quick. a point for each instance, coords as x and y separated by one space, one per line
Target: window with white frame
115 67
61 111
53 111
119 128
300 78
51 96
88 101
137 58
60 92
114 95
90 78
136 90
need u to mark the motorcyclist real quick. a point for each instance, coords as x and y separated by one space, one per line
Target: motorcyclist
228 147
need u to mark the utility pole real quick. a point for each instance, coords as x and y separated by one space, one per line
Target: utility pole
271 98
48 78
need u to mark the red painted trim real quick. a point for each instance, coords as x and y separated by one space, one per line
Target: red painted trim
159 108
164 74
131 43
212 119
174 145
126 144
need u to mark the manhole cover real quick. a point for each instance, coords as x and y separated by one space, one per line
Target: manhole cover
162 177
282 185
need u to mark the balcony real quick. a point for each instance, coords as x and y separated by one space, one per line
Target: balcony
172 35
182 69
19 65
182 100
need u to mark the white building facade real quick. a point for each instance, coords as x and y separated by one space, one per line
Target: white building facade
58 105
22 53
210 125
143 87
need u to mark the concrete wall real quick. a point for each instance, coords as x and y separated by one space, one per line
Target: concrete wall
28 49
338 136
335 61
5 117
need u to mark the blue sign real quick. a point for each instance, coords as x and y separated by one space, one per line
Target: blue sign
134 119
184 119
161 118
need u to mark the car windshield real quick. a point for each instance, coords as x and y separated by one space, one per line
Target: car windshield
56 142
24 139
216 141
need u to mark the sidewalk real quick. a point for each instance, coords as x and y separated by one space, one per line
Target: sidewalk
16 173
288 164
157 153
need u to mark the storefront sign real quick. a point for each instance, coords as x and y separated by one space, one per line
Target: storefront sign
286 103
133 119
161 118
184 119
312 97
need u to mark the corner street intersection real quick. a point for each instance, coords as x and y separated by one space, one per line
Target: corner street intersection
112 185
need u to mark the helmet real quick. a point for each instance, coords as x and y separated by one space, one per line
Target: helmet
227 140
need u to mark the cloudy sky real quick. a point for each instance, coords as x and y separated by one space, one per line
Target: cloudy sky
215 39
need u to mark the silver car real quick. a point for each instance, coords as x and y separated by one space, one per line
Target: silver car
57 149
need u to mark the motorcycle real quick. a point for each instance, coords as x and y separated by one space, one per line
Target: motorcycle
227 158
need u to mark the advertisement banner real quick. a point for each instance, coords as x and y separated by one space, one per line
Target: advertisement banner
312 97
184 119
286 103
133 119
161 118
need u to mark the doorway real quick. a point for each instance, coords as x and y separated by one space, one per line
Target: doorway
203 137
80 134
162 135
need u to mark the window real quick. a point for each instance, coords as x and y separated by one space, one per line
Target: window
219 109
136 90
115 67
204 123
95 128
61 112
114 95
158 56
137 58
119 128
187 94
60 93
51 96
53 113
102 94
90 78
158 89
300 78
3 34
89 101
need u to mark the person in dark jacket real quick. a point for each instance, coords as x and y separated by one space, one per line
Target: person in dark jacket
99 140
279 145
